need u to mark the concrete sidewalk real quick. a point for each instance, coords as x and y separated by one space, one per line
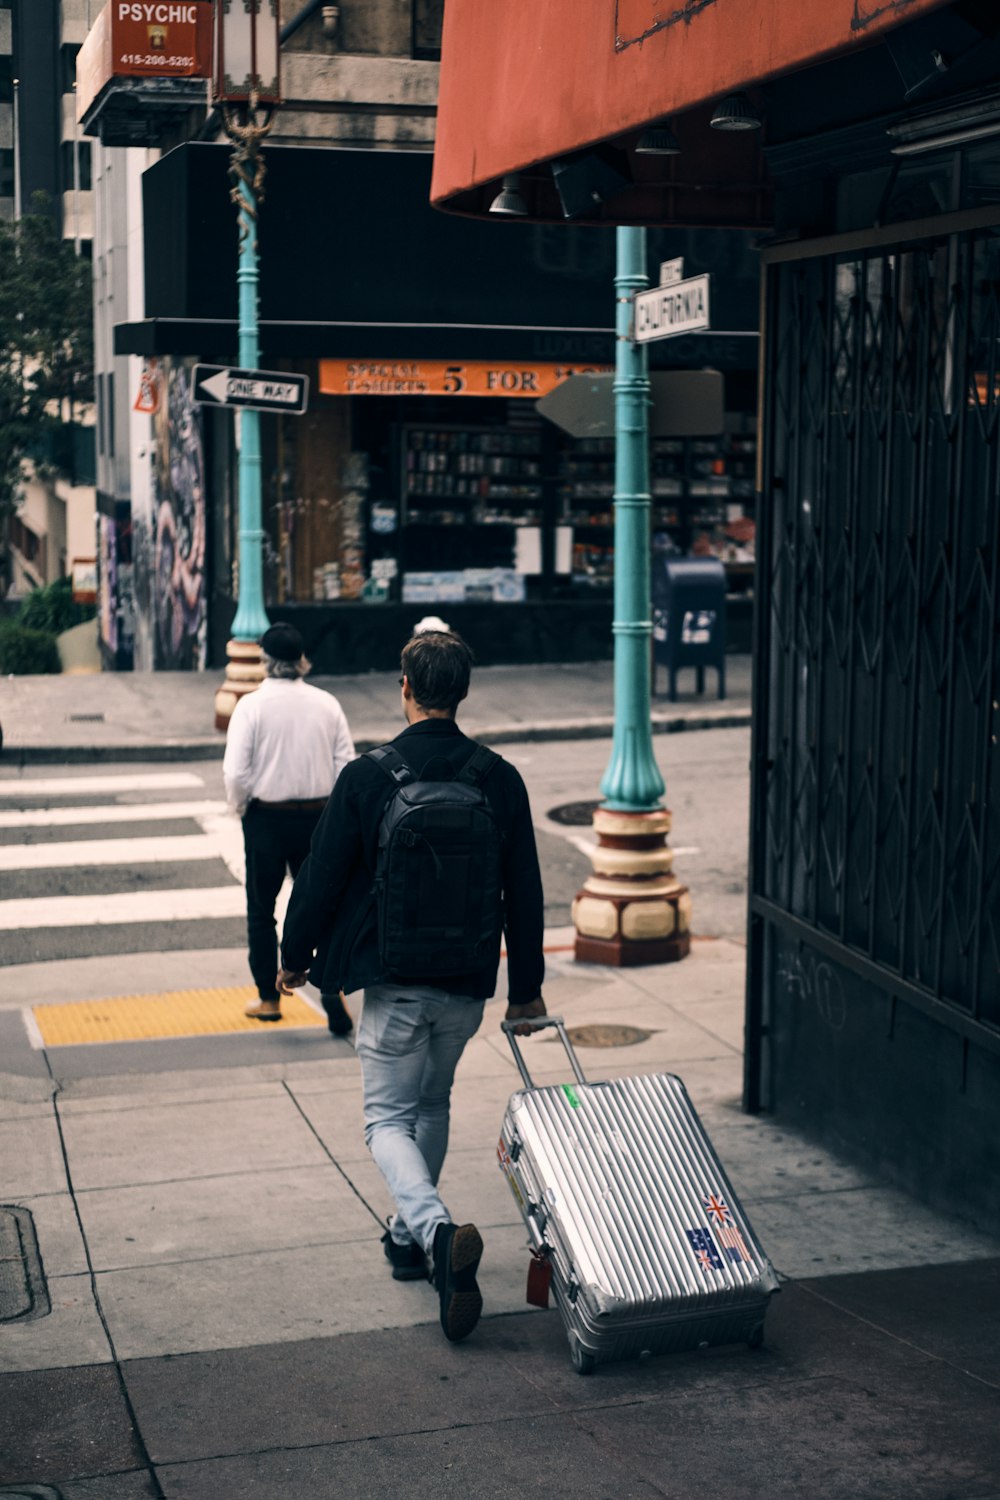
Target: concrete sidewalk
223 1325
169 715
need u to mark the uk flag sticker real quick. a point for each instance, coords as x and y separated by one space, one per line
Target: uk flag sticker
717 1209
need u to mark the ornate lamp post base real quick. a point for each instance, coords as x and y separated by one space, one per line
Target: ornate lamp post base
244 674
632 910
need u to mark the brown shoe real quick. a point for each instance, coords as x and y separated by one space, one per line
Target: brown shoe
264 1010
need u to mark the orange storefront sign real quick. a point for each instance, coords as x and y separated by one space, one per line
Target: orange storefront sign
438 377
144 39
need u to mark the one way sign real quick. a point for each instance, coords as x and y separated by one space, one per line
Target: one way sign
261 390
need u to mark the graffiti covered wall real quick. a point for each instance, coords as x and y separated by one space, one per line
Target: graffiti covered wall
115 598
178 593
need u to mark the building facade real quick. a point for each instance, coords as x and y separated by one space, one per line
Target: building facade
41 147
421 473
873 1002
43 152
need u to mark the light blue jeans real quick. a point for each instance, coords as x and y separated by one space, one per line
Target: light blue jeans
409 1041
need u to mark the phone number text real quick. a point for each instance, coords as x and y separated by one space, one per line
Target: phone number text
154 60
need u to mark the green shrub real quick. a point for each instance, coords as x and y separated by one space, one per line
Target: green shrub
52 609
25 651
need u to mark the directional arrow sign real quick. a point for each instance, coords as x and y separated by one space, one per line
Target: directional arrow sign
261 390
684 403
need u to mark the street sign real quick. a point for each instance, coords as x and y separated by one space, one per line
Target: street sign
665 312
258 390
672 271
685 403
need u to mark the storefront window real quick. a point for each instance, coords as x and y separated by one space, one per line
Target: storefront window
448 498
981 174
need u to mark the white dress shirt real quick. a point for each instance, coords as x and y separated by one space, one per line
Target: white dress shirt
287 742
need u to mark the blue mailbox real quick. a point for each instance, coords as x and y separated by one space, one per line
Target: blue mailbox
689 618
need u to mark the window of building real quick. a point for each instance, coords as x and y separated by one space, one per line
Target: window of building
427 19
30 546
68 174
6 174
6 78
67 67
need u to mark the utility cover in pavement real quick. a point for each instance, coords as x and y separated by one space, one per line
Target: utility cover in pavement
575 814
605 1034
23 1292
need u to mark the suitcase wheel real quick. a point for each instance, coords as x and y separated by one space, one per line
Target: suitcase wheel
584 1362
756 1337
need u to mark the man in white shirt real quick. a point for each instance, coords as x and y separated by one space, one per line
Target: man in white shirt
287 743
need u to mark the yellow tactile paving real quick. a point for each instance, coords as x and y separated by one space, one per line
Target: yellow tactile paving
139 1018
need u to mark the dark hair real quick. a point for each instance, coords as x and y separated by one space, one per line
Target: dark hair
282 642
439 665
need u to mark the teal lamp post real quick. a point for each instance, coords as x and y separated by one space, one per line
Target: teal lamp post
632 781
246 87
632 910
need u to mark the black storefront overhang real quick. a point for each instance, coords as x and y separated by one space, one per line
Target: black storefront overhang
355 262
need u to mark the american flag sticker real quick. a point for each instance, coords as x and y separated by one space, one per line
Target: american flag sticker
705 1250
732 1242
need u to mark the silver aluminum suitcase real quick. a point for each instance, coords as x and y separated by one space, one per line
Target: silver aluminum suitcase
624 1197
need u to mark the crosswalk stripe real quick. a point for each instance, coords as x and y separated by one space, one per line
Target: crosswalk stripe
125 852
133 906
71 786
112 812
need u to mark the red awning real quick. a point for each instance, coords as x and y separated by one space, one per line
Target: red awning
524 82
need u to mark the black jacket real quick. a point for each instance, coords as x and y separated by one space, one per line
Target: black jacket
332 911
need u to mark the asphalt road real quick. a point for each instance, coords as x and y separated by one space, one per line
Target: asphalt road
707 789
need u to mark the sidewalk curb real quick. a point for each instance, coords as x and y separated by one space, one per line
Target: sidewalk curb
214 749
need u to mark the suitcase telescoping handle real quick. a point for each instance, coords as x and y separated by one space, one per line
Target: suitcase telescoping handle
539 1024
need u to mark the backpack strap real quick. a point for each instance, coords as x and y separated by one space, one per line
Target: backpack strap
478 766
391 763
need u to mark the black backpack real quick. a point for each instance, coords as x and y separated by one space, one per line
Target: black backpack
438 886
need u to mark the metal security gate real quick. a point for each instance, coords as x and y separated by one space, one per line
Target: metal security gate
875 862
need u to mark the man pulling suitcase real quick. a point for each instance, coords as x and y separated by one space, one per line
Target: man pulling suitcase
423 859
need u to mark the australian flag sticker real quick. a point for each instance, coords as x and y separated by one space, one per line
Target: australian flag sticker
705 1251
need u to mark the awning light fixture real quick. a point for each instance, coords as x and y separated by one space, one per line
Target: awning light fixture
735 112
510 200
657 140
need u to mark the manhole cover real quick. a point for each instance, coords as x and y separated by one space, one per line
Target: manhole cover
606 1034
575 814
23 1293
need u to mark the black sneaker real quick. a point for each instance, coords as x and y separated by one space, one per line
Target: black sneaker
409 1263
338 1017
458 1249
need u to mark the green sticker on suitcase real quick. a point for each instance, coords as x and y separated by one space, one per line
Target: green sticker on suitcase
571 1095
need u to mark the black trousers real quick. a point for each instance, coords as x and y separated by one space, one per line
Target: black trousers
275 840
